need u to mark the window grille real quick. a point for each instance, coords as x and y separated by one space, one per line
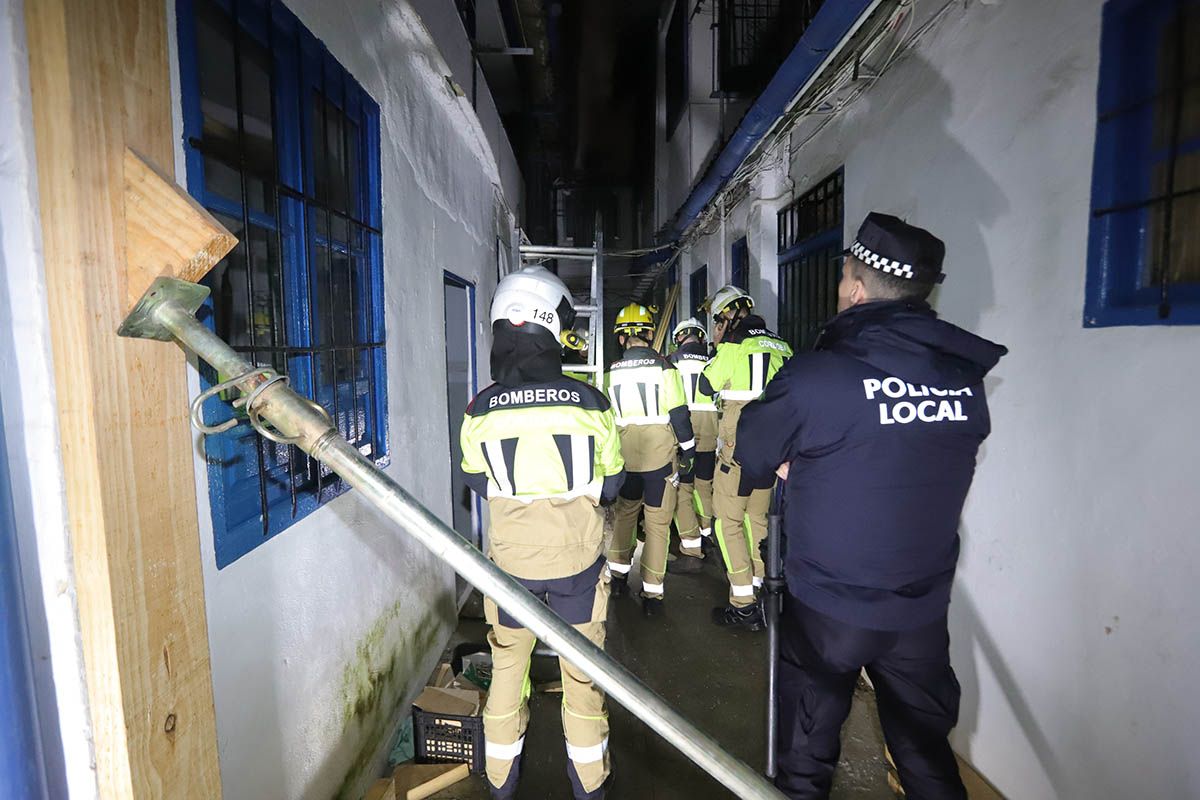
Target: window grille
283 148
754 37
810 259
1144 234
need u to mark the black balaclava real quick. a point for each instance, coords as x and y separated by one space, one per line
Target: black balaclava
524 354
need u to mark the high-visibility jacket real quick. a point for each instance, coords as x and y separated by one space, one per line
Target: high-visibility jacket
745 363
651 409
544 455
691 359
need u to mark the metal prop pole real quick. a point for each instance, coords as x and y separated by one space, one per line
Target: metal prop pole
167 312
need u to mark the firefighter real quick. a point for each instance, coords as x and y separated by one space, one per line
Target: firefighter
876 432
575 353
748 356
693 509
544 450
657 444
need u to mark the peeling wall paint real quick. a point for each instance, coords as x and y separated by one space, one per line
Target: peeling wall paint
323 635
1072 619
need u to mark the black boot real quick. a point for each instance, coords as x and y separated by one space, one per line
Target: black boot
749 617
618 584
652 606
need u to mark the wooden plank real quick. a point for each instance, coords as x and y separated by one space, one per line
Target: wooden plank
100 83
419 781
166 231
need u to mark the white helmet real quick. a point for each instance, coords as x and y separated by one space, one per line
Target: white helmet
691 326
727 296
536 295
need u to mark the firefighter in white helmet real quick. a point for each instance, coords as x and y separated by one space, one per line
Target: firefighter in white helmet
693 509
543 449
748 356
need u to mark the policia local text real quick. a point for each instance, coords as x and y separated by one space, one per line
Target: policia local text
925 411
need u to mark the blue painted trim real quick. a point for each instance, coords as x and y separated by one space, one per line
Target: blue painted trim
739 261
22 768
300 62
811 244
828 27
1123 161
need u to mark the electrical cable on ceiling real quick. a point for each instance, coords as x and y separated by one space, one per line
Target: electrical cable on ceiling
768 154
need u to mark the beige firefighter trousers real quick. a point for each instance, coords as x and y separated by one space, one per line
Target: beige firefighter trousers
740 524
506 715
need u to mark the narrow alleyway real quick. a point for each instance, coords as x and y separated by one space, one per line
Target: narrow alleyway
717 678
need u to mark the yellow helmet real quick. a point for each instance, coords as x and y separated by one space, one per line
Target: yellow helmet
573 340
633 319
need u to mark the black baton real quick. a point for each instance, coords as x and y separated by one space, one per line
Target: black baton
773 584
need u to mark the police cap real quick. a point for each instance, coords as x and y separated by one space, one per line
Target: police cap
891 245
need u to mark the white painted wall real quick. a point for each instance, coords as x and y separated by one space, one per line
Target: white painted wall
1072 622
302 627
697 136
31 433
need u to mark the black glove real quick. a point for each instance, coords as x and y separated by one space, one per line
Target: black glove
687 459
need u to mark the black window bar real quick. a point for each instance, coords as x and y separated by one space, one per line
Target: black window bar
810 249
328 326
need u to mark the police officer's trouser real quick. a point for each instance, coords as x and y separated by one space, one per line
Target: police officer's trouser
656 491
693 507
915 690
740 523
581 600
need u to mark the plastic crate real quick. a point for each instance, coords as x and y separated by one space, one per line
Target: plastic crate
449 738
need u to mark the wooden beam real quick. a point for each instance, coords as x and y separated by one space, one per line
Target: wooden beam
167 233
100 83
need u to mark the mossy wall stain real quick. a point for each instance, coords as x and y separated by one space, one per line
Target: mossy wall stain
377 680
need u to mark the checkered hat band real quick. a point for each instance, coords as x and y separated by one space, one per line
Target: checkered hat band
876 261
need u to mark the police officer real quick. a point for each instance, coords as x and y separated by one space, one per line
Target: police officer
748 356
656 443
876 432
693 509
574 353
543 449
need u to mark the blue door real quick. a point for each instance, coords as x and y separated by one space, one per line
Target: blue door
22 773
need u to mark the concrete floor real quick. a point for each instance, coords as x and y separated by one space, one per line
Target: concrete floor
715 677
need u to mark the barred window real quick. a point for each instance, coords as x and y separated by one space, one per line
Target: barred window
753 39
283 148
810 260
1144 233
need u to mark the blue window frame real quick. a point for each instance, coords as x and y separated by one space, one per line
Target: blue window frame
739 273
810 261
282 147
1144 232
698 289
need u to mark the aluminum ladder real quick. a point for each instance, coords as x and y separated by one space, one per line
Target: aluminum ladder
593 309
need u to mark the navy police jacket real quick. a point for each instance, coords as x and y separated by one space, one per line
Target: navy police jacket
880 425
